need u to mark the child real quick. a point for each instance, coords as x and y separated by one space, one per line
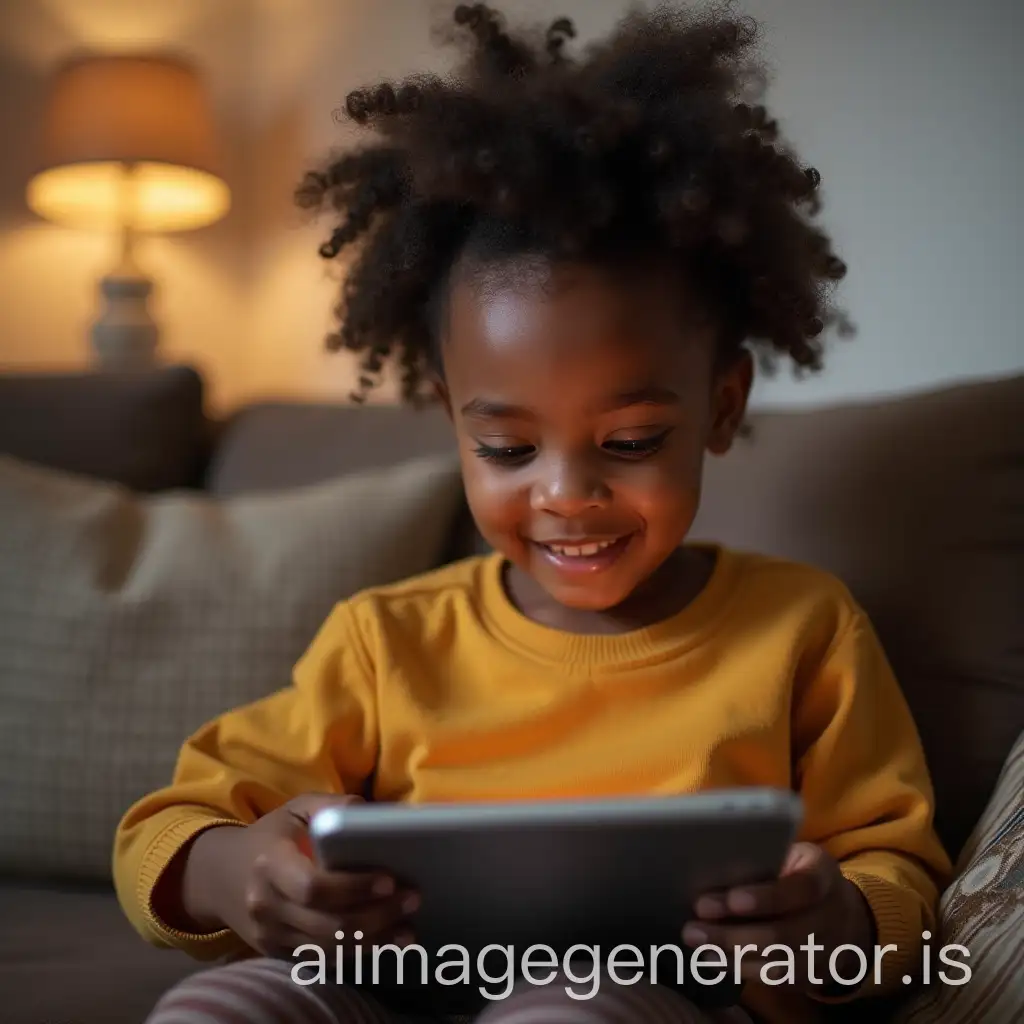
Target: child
581 258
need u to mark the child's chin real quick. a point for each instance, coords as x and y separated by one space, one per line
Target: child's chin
586 595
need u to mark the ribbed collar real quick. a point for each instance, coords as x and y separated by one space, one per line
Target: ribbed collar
611 652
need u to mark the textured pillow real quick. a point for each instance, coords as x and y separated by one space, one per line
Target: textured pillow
983 910
916 503
127 622
269 446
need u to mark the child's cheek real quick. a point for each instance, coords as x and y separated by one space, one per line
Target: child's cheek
497 502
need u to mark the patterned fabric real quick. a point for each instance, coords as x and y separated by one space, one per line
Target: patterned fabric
261 991
983 911
127 622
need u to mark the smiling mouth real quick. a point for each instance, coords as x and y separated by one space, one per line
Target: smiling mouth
580 550
587 556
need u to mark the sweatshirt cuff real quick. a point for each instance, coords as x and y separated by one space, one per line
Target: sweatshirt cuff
896 954
167 844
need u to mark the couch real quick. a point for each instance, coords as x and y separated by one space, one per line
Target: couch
157 567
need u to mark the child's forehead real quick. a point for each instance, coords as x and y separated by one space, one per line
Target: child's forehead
568 319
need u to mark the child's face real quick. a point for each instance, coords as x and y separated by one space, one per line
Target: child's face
583 404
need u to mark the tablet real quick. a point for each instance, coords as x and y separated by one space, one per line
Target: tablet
563 873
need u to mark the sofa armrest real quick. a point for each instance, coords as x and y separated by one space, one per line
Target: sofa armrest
977 962
145 430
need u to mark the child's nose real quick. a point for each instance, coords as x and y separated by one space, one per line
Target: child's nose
567 490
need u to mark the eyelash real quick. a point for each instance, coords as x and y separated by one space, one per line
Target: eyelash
634 450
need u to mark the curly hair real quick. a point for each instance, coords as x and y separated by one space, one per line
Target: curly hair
650 145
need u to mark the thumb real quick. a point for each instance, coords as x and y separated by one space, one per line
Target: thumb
302 809
802 857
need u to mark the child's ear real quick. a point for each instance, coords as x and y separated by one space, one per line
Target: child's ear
729 403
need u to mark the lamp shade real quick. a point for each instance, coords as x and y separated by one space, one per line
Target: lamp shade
129 141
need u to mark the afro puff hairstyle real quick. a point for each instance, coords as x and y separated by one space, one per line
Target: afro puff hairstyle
649 146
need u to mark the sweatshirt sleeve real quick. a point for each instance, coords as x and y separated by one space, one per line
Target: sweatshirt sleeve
860 770
318 735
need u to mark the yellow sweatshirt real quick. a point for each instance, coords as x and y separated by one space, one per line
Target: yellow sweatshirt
772 676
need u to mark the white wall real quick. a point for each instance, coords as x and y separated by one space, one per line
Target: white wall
909 108
912 111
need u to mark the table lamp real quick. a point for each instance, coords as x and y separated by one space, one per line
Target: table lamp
128 146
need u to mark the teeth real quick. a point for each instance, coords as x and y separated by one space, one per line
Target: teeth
584 551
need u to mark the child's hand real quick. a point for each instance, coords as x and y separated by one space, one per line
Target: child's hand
811 896
259 882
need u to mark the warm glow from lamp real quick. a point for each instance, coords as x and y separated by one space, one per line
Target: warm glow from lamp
152 198
128 146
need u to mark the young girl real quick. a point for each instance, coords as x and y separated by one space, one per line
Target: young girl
579 257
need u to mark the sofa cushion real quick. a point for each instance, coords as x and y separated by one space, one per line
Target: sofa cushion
69 954
270 446
918 504
145 430
127 622
982 912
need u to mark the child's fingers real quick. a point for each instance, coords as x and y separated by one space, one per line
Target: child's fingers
369 923
803 857
731 938
758 936
282 926
790 895
711 907
282 867
380 918
302 882
806 879
291 897
342 891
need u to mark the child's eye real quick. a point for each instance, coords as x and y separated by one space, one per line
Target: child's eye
638 448
505 455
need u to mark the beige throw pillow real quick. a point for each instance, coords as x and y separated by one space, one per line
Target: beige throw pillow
127 622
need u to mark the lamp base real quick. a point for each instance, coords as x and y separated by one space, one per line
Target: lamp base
125 336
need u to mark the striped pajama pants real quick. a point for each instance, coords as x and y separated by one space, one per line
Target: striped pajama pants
261 991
